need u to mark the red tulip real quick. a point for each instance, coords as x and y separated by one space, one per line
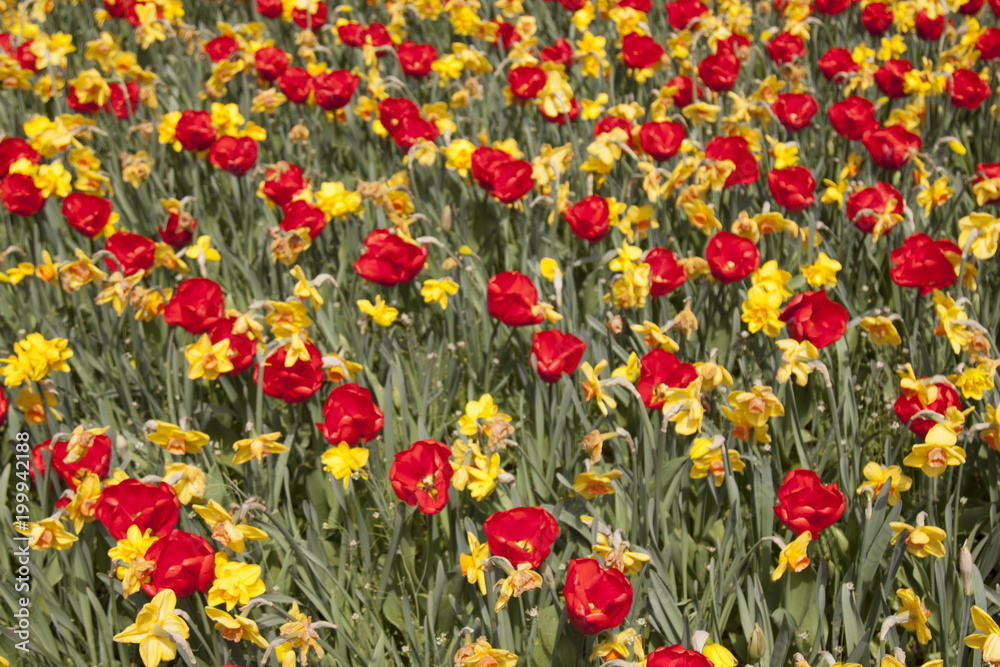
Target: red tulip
421 475
804 503
665 273
682 13
234 155
685 90
133 252
96 459
389 259
20 196
676 656
512 180
929 29
271 62
968 91
720 71
416 59
350 416
195 306
661 370
195 131
795 110
785 48
124 100
831 7
485 161
526 81
812 317
731 258
835 63
988 44
221 48
641 51
179 230
13 149
561 52
333 90
921 262
282 182
610 123
270 9
875 199
296 84
737 151
853 118
135 503
301 214
511 298
184 563
561 118
892 147
522 535
596 599
877 18
87 214
589 218
292 384
556 353
792 187
661 140
891 77
311 21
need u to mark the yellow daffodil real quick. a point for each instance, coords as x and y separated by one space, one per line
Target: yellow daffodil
938 452
235 583
382 313
793 557
987 639
877 476
590 485
472 563
208 360
157 629
438 291
257 448
345 462
175 440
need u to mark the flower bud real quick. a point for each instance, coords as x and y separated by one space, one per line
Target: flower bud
965 568
755 645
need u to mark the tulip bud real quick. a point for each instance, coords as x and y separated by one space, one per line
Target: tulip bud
755 646
446 219
965 568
